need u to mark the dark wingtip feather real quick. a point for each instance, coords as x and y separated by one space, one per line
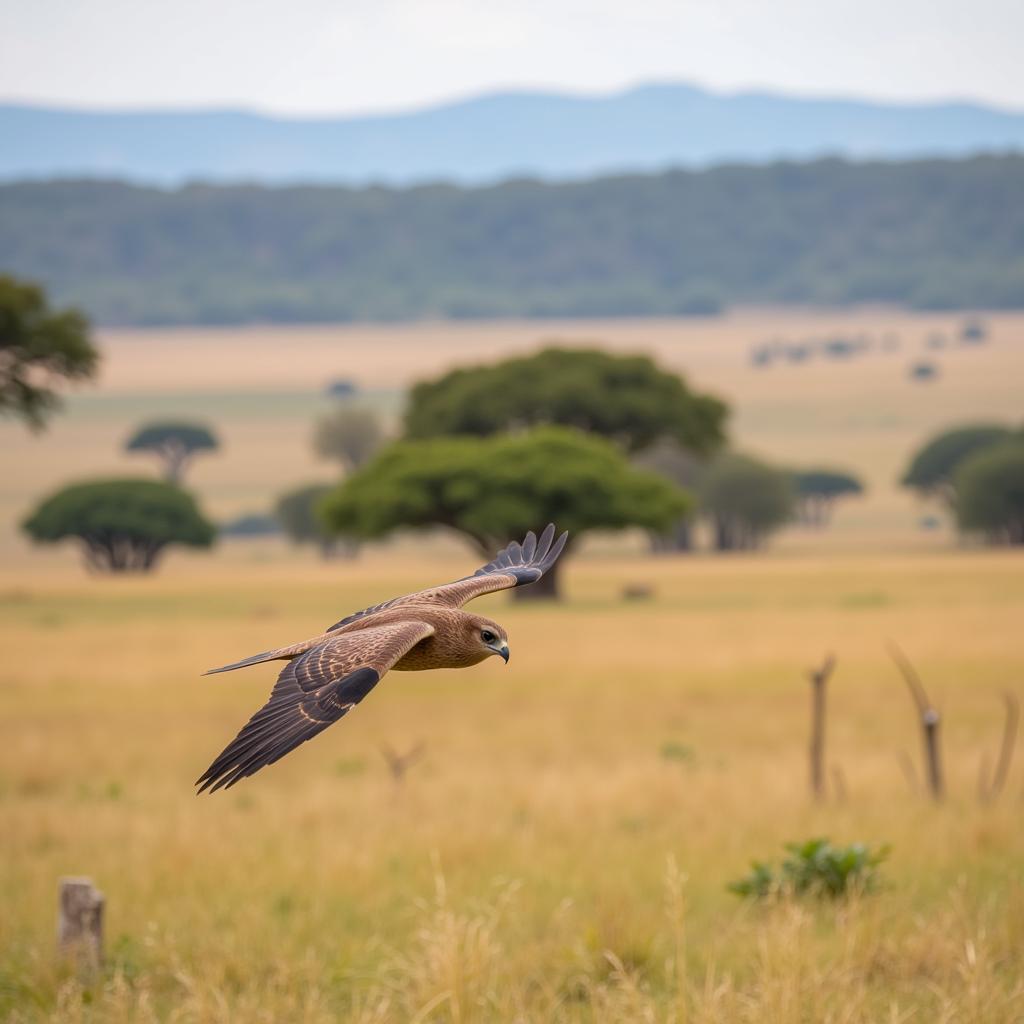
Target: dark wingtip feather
282 724
529 560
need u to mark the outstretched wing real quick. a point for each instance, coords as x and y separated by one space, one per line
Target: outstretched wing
514 566
312 692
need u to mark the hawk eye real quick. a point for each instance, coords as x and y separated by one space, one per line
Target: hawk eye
487 636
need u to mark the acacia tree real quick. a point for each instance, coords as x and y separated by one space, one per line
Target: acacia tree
817 491
932 470
745 499
625 398
492 489
123 525
990 492
39 349
348 435
175 443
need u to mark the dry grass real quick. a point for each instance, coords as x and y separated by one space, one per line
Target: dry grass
561 851
546 860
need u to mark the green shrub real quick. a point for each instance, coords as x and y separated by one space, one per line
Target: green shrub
815 868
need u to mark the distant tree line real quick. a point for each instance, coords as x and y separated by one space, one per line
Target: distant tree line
825 232
592 440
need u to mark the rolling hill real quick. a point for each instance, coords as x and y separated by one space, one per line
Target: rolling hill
491 137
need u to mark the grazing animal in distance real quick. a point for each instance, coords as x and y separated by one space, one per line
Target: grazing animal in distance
330 674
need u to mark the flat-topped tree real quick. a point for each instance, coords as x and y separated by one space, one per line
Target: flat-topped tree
626 398
39 348
123 525
817 491
174 442
492 489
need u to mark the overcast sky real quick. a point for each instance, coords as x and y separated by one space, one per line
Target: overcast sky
321 57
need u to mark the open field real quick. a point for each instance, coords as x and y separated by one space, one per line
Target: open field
262 387
562 851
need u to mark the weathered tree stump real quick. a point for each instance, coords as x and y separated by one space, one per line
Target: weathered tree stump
930 722
80 923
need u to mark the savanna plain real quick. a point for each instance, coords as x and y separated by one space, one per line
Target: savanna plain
561 849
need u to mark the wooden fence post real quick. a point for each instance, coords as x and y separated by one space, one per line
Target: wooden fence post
819 681
80 923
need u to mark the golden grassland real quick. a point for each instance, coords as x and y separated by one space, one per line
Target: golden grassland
261 388
562 851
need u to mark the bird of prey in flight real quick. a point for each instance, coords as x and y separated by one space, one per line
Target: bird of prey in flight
330 674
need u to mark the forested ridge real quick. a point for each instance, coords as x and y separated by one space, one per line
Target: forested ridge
927 234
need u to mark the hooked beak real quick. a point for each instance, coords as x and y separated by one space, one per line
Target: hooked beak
502 651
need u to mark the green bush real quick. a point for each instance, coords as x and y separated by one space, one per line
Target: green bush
815 868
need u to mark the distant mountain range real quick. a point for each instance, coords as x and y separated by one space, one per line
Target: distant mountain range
492 137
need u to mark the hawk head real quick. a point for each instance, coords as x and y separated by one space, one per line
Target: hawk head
485 637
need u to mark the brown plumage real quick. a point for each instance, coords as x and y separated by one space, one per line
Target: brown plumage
330 674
